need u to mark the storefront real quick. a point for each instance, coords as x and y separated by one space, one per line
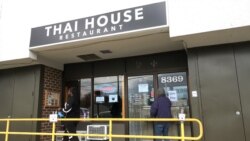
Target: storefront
127 50
132 83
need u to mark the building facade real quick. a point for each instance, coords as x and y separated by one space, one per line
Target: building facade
198 51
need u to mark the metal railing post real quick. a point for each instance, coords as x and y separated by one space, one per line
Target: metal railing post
7 129
53 130
182 131
110 129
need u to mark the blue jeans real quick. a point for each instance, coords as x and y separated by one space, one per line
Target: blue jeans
161 129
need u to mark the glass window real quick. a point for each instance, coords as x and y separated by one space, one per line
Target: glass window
175 86
85 97
108 96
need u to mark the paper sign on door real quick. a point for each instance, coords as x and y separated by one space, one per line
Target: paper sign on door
172 95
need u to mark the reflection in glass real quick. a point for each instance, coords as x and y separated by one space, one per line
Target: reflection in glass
85 97
140 97
85 102
109 102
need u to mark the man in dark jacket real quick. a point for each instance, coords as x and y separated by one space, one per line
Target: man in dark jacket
71 110
161 108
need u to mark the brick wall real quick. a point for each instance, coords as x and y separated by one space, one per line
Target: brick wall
52 81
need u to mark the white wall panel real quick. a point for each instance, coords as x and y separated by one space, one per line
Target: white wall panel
199 16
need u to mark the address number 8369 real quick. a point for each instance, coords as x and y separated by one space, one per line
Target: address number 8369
172 79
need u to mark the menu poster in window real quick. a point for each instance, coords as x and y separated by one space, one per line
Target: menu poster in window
113 98
181 91
143 88
52 99
172 95
100 99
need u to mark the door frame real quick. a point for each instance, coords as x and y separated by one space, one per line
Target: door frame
156 85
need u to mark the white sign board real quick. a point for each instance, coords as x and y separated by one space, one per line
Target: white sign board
182 116
143 88
194 94
113 98
53 117
99 99
172 95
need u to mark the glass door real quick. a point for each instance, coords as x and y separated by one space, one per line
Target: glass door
175 86
140 97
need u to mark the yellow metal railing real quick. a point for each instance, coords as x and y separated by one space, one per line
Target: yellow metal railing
182 136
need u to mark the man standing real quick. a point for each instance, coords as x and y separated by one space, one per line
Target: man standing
71 110
161 108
